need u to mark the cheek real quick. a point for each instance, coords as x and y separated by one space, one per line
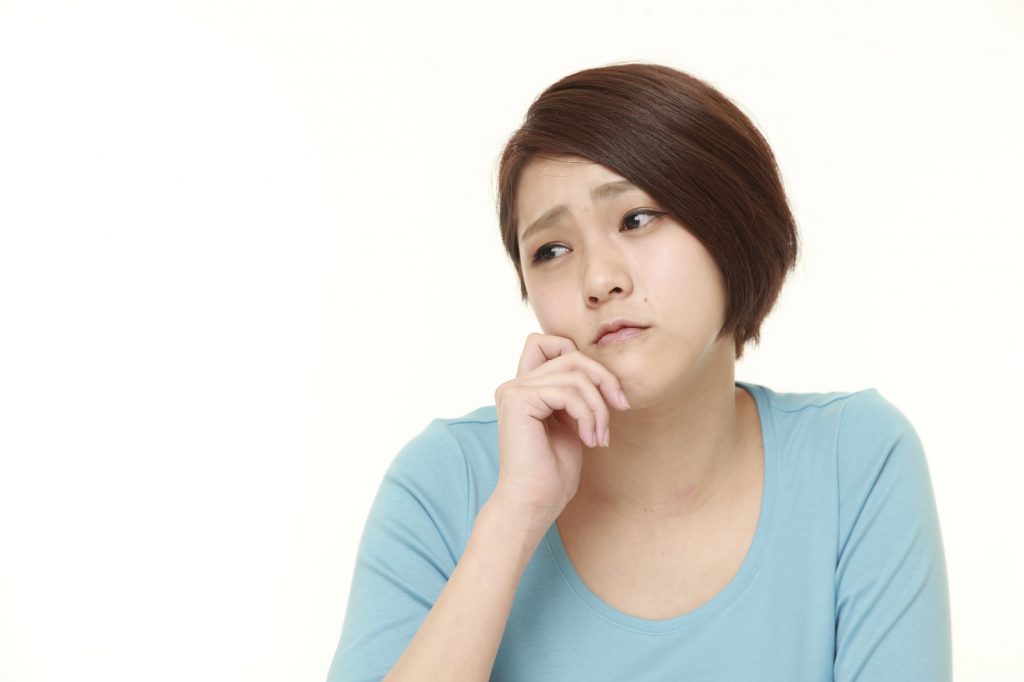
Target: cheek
546 306
551 308
542 304
682 276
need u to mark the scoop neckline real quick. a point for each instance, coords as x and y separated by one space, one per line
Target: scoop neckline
739 581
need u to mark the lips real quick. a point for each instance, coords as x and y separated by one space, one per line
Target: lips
618 329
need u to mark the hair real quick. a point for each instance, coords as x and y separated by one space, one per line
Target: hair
688 147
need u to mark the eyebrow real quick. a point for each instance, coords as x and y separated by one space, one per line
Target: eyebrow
554 215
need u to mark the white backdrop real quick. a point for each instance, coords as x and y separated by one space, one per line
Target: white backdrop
249 249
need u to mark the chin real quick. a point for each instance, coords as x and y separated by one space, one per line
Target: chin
648 394
644 383
652 379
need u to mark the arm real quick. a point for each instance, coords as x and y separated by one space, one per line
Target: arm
892 595
415 608
410 595
459 638
411 541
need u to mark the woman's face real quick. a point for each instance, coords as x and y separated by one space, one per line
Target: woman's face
595 249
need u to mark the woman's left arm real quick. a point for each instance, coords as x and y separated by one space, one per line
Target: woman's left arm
892 592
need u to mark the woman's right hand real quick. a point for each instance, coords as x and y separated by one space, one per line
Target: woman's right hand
557 402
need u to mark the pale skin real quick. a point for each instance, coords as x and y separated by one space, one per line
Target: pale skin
657 521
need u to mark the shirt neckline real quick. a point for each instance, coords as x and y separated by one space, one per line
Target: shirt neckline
734 588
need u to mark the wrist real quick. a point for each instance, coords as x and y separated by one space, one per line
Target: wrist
516 520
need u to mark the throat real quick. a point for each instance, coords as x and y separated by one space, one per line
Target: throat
647 479
682 501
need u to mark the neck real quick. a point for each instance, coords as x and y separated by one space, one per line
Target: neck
674 457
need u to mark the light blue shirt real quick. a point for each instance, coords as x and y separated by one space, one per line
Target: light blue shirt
845 578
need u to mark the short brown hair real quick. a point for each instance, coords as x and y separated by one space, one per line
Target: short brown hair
688 147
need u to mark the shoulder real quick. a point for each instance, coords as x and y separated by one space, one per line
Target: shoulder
476 432
849 418
429 489
831 401
882 474
874 433
848 435
864 449
869 417
451 456
446 438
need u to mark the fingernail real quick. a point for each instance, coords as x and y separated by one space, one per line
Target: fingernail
605 441
596 441
622 398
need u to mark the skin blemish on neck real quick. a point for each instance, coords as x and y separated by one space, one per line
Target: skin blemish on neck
679 500
684 493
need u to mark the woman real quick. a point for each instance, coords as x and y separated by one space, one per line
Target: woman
627 510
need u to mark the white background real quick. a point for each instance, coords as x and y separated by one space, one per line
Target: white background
249 249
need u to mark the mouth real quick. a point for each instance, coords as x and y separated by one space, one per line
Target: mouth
618 330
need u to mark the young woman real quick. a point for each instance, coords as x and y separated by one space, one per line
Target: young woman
627 510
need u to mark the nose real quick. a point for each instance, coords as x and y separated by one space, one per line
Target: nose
606 274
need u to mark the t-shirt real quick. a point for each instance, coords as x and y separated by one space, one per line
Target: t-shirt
845 578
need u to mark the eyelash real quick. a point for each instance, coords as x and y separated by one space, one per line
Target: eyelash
632 214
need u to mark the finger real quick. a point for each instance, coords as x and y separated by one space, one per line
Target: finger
547 400
539 348
566 420
587 390
605 381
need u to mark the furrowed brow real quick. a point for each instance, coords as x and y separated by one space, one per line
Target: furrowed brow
549 219
555 215
611 189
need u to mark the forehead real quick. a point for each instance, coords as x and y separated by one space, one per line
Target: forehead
547 182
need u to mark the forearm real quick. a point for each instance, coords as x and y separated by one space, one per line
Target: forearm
459 638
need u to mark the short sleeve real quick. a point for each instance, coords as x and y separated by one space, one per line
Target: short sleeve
892 595
416 530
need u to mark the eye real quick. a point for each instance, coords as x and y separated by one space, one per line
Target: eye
645 216
542 254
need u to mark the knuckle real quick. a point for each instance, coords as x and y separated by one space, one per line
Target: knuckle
510 390
503 389
583 381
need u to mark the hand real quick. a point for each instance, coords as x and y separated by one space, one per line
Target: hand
557 402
